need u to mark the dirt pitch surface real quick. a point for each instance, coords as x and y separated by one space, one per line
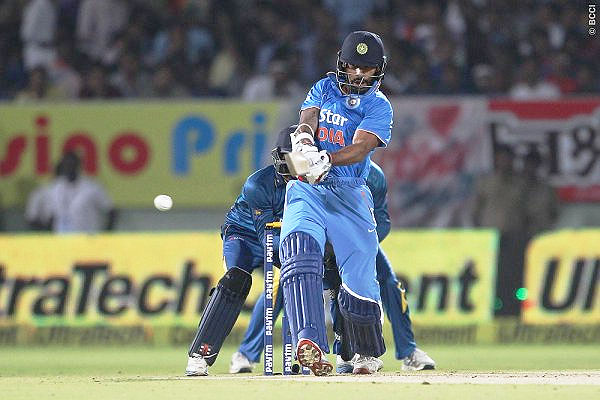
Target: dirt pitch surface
497 378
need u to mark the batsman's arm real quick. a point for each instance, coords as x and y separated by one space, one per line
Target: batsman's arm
361 146
309 120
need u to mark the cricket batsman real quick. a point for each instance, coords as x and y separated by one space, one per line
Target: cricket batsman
392 297
343 119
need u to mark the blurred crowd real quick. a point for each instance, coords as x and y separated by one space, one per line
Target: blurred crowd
261 49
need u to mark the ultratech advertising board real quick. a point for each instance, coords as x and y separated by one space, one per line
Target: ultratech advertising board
562 278
449 275
110 279
146 288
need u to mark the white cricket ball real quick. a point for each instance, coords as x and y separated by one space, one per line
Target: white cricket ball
163 202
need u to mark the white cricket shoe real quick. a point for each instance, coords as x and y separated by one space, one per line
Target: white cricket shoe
344 367
367 365
417 361
196 366
239 363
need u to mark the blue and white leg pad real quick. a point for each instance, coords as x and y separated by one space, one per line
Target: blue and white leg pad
362 324
220 314
302 283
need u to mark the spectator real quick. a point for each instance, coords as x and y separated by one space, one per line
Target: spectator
164 84
499 195
231 44
531 86
451 80
225 77
129 79
561 76
97 23
585 80
96 85
278 83
62 72
351 14
38 213
78 203
541 201
39 88
38 29
500 203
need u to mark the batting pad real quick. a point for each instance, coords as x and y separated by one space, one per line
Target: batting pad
220 314
302 283
362 325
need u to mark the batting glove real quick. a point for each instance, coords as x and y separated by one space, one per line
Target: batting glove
320 164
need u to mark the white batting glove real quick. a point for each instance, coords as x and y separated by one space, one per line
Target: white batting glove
320 164
302 139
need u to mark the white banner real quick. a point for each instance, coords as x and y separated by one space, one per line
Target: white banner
435 153
440 146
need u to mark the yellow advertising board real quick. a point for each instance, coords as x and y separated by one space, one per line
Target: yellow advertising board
114 279
449 275
166 277
199 152
562 278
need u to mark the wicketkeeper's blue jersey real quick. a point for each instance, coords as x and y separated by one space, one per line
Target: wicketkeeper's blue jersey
260 202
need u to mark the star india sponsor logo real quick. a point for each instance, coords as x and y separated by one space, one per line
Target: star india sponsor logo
326 115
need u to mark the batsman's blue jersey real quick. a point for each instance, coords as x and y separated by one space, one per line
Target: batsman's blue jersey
262 200
340 116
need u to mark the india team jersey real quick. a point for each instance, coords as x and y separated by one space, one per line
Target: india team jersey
340 116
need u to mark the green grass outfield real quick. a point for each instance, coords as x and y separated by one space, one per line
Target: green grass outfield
156 373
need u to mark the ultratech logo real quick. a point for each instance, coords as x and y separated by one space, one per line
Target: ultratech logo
93 287
585 279
465 281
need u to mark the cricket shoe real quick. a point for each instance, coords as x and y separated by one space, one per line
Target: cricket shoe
344 367
240 364
196 366
310 355
366 365
417 361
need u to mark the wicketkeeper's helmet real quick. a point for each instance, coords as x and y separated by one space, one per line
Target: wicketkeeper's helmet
283 145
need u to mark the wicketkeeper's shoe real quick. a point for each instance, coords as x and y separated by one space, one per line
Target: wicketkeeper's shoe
240 364
310 355
196 366
344 367
367 365
417 361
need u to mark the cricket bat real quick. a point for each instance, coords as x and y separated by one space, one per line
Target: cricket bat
297 163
